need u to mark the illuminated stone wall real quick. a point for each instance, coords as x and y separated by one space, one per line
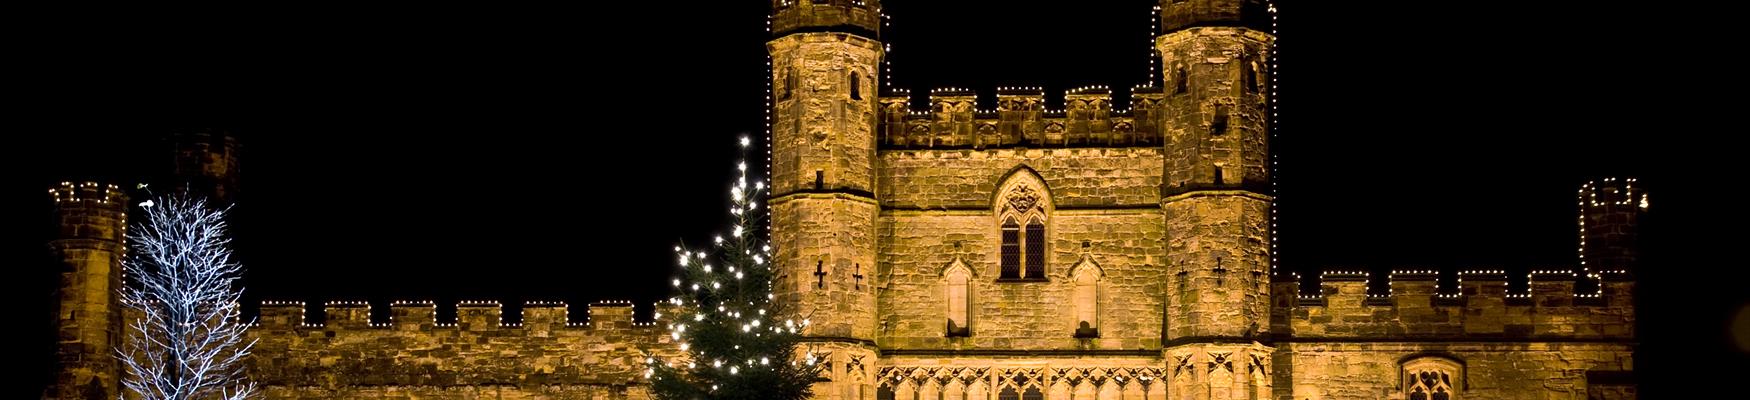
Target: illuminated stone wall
940 210
1546 342
1107 376
88 250
478 356
1020 119
1491 370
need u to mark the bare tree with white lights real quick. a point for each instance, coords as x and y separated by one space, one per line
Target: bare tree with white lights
187 341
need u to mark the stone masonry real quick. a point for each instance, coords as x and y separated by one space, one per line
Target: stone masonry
946 252
546 356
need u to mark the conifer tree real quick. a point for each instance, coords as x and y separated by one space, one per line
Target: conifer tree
737 342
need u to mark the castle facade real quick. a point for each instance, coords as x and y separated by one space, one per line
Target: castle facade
958 253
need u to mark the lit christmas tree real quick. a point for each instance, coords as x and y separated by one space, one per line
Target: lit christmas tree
738 343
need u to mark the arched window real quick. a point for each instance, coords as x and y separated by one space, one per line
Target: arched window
1011 250
1432 378
1023 200
959 312
884 392
1035 248
1008 393
1032 393
1086 298
856 86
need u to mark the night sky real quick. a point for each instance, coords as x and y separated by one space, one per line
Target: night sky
560 154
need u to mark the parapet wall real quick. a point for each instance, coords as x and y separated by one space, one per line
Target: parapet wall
478 356
1481 308
1088 119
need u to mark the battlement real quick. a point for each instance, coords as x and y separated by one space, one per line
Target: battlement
1423 303
861 17
89 194
1612 192
1181 14
414 350
349 314
471 315
1610 214
91 215
953 121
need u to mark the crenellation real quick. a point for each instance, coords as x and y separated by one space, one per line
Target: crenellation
545 315
1175 15
1610 213
951 114
859 16
1088 116
422 359
477 315
413 315
1483 284
1412 291
1020 115
1553 288
343 314
1286 302
70 194
1481 306
1345 290
610 315
953 121
1485 300
278 314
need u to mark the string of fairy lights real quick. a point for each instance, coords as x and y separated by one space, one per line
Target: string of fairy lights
1275 192
695 303
428 310
1556 277
1154 28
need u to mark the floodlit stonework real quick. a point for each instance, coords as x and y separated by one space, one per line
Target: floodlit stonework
1016 253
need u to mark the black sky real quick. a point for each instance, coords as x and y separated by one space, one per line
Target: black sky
560 153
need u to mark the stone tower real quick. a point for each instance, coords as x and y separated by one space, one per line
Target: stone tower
825 57
93 221
1216 196
1610 214
206 164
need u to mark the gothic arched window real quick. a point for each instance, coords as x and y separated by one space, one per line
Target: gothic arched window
1011 261
1432 378
1008 393
1086 297
957 276
1035 248
1023 210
